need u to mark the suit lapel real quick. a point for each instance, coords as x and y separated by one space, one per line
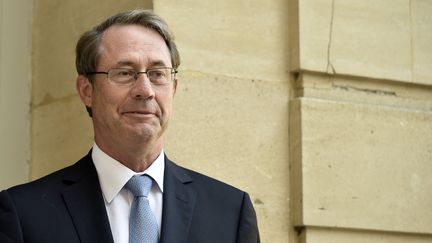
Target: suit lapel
178 204
84 200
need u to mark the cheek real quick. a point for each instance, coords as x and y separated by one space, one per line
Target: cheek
108 100
165 103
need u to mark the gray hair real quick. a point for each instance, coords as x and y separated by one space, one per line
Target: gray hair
88 46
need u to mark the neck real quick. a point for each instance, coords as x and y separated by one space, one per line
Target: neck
137 157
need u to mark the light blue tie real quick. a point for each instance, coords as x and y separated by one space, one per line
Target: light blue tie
142 223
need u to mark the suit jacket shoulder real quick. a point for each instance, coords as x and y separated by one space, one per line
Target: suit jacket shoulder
61 207
212 211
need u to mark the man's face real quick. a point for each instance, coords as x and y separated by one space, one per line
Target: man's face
132 114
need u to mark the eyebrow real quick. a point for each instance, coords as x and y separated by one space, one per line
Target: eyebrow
126 63
158 63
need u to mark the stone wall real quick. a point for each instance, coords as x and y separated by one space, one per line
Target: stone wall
15 73
361 122
231 111
320 109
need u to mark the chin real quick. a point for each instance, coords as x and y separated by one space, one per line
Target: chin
144 133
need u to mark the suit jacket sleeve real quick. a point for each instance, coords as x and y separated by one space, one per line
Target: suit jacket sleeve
248 227
10 230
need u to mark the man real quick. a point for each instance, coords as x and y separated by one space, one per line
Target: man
127 69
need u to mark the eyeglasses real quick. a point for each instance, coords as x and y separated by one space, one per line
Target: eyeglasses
127 76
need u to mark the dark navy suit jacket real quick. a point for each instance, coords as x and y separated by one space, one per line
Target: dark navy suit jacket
68 207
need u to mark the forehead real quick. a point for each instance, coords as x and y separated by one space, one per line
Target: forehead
133 44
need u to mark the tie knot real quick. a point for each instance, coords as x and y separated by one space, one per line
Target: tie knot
139 186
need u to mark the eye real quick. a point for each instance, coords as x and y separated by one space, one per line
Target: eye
122 75
125 73
156 74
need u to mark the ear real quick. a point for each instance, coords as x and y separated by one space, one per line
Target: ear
85 90
175 85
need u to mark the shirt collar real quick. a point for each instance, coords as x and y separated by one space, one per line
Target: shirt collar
113 175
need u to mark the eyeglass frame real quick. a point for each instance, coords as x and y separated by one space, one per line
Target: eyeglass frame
173 73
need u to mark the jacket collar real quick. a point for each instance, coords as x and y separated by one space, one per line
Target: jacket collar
84 200
179 202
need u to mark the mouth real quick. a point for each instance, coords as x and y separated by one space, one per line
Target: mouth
139 114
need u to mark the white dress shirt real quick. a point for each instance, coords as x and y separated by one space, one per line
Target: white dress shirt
113 175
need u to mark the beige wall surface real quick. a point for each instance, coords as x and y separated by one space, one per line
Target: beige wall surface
331 235
372 182
361 122
379 39
339 149
230 116
15 69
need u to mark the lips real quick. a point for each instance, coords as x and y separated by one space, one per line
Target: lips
139 113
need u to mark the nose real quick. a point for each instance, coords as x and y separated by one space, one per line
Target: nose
142 88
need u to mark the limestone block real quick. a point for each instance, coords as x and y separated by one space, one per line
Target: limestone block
314 31
236 130
245 38
364 166
364 90
15 68
362 38
230 116
329 235
422 39
61 134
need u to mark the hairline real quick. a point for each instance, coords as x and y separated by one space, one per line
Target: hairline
100 47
